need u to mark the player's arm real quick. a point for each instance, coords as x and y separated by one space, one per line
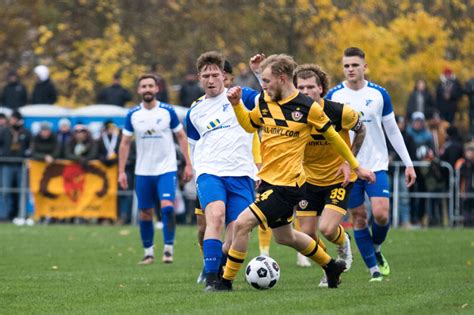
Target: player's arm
254 65
192 135
321 122
124 151
257 155
183 145
246 119
351 121
396 139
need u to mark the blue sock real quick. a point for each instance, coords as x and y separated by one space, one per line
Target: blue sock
147 233
212 250
366 247
379 233
169 224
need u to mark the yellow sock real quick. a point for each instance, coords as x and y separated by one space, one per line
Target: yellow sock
264 239
321 243
316 254
235 259
339 237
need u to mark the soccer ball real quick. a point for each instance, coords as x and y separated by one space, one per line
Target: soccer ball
262 272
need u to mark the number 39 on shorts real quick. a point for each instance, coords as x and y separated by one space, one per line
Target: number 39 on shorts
338 193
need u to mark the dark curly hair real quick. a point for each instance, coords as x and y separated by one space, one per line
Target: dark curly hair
307 71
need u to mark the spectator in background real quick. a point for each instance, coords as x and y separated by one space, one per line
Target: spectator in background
14 93
44 91
469 90
190 90
424 146
109 143
437 127
247 78
466 166
421 136
404 202
448 94
115 94
5 141
20 141
453 148
81 147
45 144
63 136
162 94
420 99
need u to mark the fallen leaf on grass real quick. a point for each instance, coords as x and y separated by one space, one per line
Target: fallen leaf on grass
124 232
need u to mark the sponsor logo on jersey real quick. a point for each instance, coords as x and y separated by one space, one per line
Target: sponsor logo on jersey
367 102
225 107
362 117
281 132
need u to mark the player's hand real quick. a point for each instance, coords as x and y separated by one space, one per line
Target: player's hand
122 179
187 173
234 95
365 174
410 176
345 169
255 62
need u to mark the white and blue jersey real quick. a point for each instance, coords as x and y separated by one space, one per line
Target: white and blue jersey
374 106
219 145
153 129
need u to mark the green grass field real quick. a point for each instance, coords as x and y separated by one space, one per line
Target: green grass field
92 269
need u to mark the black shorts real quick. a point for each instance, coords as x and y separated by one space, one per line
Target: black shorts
317 198
274 205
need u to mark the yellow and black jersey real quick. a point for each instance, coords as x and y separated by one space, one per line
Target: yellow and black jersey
321 160
286 128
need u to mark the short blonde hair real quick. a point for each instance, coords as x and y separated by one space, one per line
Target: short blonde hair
280 64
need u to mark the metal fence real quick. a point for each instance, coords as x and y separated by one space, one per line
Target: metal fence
451 194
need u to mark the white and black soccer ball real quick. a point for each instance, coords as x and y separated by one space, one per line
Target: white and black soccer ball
262 272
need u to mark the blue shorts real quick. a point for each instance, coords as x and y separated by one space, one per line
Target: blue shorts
237 193
151 189
378 189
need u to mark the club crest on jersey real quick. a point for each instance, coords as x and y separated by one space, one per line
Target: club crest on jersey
296 115
303 204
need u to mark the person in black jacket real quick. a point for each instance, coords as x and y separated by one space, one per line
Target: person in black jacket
45 145
44 91
448 94
81 147
14 93
115 94
19 139
420 99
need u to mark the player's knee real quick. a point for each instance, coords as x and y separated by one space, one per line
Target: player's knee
327 230
146 215
381 217
242 227
359 219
